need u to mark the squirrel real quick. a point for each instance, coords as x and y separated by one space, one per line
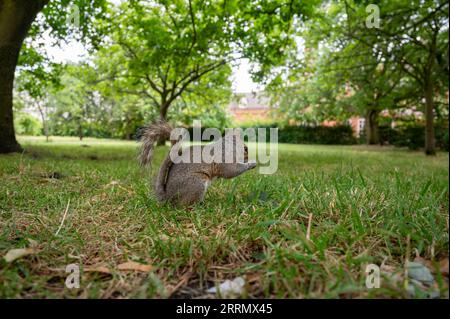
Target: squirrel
185 183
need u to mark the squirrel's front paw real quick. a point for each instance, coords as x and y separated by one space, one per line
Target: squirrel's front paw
251 165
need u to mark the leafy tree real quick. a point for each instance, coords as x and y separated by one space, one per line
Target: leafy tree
71 102
308 92
414 36
368 84
206 102
33 84
362 70
82 105
163 50
78 106
25 123
17 21
180 41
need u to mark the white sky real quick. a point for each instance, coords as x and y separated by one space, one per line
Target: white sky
242 82
74 52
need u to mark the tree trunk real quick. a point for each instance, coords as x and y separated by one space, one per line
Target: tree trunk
16 17
80 132
163 117
430 143
163 111
8 61
44 122
372 132
45 127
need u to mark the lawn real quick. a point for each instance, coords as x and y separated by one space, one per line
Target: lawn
307 231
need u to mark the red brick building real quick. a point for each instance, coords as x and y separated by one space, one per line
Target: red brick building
255 106
357 124
252 106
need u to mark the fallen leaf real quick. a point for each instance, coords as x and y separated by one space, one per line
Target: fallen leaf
14 254
132 265
387 268
99 268
164 237
229 287
253 278
443 267
74 257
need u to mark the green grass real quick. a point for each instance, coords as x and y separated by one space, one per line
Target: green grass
368 205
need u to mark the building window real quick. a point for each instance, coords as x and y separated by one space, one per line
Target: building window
361 125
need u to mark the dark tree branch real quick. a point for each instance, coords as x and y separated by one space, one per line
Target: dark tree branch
194 37
195 76
140 93
146 76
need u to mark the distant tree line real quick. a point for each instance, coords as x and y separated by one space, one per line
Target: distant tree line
356 65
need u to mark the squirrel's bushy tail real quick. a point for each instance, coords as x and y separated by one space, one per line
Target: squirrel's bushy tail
149 135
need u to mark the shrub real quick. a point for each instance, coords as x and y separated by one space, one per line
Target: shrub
306 134
26 124
412 135
340 134
441 134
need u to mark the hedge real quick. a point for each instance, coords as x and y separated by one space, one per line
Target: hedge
341 134
413 136
303 134
409 135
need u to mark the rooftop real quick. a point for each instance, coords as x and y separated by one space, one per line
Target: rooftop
252 100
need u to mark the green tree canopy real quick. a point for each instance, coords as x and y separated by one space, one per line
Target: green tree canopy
162 50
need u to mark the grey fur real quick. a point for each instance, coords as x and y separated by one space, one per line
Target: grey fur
186 183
